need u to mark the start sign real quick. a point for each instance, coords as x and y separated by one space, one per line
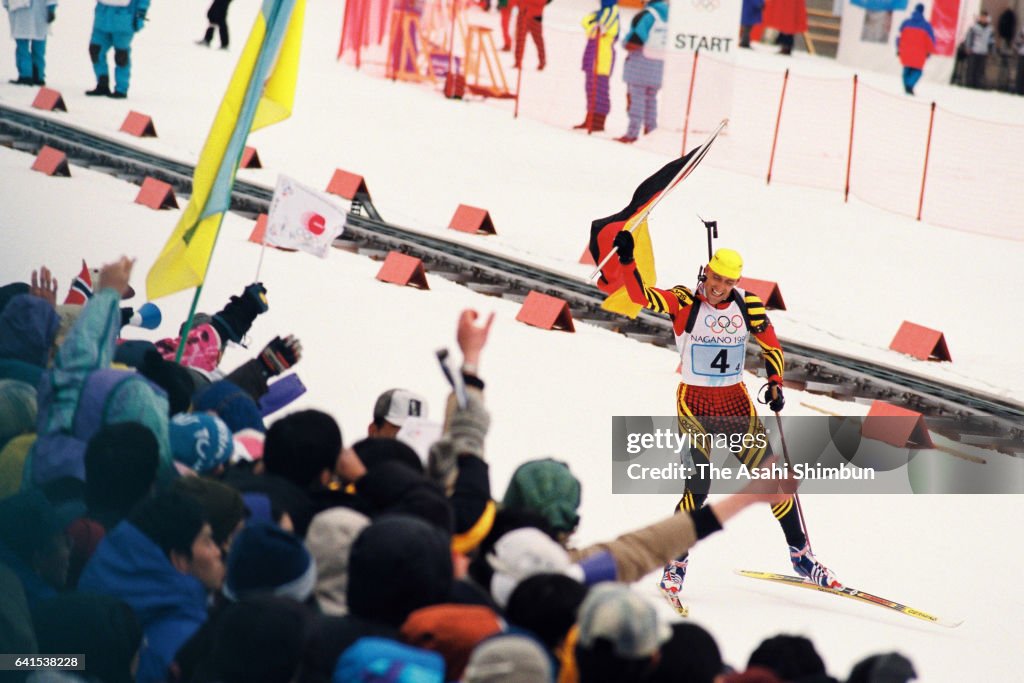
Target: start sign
705 25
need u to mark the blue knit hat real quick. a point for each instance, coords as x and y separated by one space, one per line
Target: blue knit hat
237 408
200 441
381 660
267 560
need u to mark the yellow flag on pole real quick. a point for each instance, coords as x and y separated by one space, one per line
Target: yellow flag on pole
261 92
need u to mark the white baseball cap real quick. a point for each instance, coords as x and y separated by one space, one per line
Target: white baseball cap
396 405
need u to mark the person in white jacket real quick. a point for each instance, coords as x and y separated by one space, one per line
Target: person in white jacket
978 44
30 22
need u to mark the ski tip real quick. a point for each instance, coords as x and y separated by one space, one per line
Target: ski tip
756 574
851 593
681 609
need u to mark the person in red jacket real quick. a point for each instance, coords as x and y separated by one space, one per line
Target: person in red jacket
529 21
788 17
712 326
915 43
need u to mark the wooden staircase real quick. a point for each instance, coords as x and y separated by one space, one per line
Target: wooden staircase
822 36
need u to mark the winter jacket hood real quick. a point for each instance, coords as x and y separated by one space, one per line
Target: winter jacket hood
28 326
169 605
398 564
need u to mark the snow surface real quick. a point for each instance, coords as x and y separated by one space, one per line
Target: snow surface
852 274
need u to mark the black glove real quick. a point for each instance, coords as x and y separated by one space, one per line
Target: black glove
773 396
51 13
140 19
624 243
280 354
257 293
234 320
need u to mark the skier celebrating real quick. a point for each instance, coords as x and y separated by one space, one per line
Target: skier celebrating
712 326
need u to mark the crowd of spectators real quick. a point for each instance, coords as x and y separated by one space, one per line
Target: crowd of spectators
169 520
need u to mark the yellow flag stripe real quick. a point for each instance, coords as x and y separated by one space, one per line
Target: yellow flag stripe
184 260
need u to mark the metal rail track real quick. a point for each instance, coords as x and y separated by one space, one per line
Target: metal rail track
970 416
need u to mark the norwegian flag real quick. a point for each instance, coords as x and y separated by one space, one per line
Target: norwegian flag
81 287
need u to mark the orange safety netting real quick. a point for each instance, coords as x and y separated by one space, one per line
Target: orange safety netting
973 176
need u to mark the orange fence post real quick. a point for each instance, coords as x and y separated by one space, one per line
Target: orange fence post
849 150
778 121
519 86
927 153
689 98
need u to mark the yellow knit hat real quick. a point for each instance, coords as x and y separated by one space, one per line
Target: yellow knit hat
727 263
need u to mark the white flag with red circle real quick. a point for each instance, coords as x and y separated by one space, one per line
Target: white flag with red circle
302 218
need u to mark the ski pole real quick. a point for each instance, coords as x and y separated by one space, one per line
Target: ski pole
789 465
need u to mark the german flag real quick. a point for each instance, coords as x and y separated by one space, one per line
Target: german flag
603 231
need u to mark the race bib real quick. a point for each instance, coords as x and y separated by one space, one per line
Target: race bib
713 360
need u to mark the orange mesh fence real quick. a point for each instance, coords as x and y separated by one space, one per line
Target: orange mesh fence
556 95
814 133
973 178
749 99
672 98
889 139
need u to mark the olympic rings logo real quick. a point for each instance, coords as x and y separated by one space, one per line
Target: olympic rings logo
709 5
724 323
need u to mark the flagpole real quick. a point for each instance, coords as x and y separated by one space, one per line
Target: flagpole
266 71
188 325
199 288
694 160
263 250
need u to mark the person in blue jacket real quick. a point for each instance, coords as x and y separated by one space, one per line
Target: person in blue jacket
115 23
162 562
750 17
645 45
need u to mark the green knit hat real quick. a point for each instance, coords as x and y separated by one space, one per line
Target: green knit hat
17 409
548 488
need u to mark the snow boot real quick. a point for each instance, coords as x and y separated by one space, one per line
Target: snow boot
671 584
586 122
807 565
102 87
598 122
745 36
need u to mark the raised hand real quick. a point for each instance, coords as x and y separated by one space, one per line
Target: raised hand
44 285
116 275
472 337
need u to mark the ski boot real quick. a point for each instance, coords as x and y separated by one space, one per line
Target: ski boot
102 87
807 565
671 584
